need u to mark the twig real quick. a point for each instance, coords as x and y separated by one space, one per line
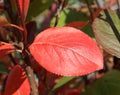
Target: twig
17 27
34 87
47 19
98 4
90 10
29 70
59 10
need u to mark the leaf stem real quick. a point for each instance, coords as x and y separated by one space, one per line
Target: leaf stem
15 26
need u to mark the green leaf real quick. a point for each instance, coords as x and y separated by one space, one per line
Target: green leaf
3 68
88 30
105 34
109 84
89 1
68 16
62 81
38 6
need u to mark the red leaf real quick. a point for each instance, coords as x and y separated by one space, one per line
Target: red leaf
66 51
77 24
24 5
5 49
17 82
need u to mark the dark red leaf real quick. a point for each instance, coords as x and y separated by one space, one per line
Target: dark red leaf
5 49
17 82
24 4
31 28
66 51
77 24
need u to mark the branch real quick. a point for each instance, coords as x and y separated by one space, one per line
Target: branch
90 10
32 81
29 70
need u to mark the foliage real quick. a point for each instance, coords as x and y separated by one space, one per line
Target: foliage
48 47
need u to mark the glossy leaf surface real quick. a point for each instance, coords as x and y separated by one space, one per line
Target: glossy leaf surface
104 33
66 51
17 82
6 49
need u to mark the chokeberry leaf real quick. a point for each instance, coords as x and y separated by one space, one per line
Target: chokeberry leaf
66 51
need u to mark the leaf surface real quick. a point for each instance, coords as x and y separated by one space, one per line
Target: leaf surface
62 81
38 6
24 5
17 82
5 49
109 84
66 51
77 24
104 33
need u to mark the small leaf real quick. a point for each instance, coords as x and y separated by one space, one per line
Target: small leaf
6 49
104 33
109 84
24 5
17 82
31 28
66 51
77 24
62 81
